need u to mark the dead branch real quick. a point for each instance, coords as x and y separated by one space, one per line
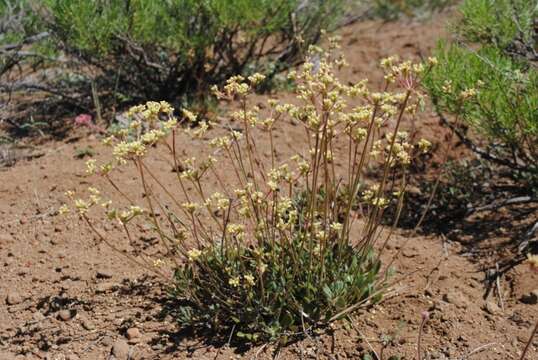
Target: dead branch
497 205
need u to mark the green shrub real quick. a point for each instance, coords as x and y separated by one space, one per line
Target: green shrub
497 22
499 78
18 24
300 289
125 51
265 247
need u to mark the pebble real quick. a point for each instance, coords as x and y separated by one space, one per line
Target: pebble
456 298
134 335
107 341
106 287
87 324
531 299
103 274
492 308
66 315
13 298
38 316
120 350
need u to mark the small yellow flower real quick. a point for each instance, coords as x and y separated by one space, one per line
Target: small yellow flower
256 78
82 206
447 87
380 202
424 145
108 140
93 191
170 124
158 263
91 166
166 107
189 115
136 210
190 207
194 254
467 94
433 61
64 209
234 281
249 279
105 168
336 227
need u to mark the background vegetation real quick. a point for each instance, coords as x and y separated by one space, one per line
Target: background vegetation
62 57
96 55
493 59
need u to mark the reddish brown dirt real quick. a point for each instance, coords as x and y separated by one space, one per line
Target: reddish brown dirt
50 265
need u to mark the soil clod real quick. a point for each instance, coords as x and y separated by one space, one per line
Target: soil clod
120 350
13 298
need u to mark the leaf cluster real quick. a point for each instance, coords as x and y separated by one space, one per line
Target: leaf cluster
283 301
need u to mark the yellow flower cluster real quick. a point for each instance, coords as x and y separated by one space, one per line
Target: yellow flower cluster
194 254
267 203
424 145
218 201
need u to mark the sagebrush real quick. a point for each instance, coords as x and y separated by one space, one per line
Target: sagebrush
103 56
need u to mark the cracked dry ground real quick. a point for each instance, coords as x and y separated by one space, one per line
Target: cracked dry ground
63 296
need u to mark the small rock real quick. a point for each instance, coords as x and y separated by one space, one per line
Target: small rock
107 341
456 298
13 299
105 287
409 253
530 299
87 324
72 357
492 308
38 316
120 350
133 333
103 274
66 315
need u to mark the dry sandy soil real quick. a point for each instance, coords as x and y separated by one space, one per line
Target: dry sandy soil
64 296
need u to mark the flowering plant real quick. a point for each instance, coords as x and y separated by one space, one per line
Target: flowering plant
263 246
